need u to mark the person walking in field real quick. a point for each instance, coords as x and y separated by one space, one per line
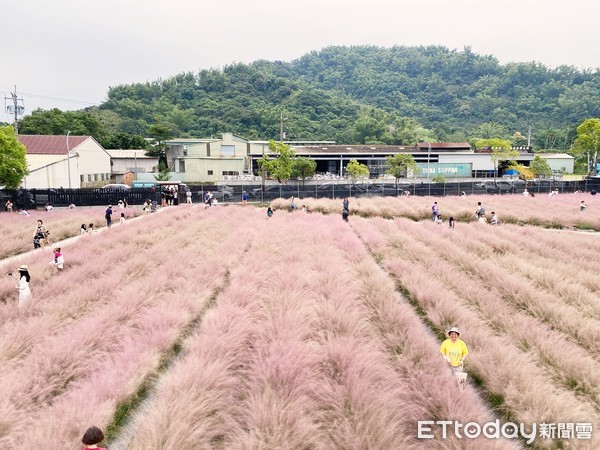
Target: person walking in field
9 205
451 222
108 215
23 286
269 212
454 351
188 197
122 218
244 198
434 211
480 212
346 204
582 206
345 214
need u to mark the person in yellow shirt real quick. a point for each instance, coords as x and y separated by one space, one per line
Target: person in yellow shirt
454 350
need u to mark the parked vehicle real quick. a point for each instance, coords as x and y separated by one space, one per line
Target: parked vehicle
116 186
143 184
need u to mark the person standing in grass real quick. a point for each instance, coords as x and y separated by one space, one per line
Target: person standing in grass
480 212
346 204
434 211
23 286
451 222
582 206
188 197
92 437
345 214
269 212
244 198
83 229
454 350
108 215
9 205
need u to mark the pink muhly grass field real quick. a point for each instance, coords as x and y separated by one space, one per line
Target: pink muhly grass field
76 372
454 279
302 330
17 230
310 362
542 210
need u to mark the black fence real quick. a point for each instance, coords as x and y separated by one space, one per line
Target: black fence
38 198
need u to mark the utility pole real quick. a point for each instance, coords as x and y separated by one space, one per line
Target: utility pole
529 137
17 108
281 132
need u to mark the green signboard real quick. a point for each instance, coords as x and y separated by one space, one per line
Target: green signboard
447 170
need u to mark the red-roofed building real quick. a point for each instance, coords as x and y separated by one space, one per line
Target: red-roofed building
88 164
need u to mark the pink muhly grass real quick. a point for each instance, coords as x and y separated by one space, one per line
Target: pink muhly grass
408 276
123 318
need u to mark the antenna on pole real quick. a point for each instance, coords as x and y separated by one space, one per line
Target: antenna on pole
17 108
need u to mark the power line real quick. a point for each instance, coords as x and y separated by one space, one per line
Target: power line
65 99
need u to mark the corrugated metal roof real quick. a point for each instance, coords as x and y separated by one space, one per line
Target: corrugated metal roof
50 145
345 149
555 156
129 153
443 145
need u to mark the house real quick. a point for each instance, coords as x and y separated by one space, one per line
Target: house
559 162
208 160
135 161
64 161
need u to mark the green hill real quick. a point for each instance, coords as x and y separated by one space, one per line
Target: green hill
356 94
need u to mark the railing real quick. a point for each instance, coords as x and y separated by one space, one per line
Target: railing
38 198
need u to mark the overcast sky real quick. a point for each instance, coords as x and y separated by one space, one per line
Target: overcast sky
66 53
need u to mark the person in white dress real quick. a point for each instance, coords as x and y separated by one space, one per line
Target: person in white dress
23 286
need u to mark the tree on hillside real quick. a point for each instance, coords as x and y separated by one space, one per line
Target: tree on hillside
356 170
500 151
161 132
587 144
303 168
280 167
13 165
399 166
540 167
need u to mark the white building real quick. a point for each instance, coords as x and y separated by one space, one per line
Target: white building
87 163
134 161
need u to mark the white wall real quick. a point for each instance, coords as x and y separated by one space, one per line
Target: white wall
54 175
94 161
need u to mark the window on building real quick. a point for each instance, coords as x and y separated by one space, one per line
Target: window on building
227 150
230 172
182 165
82 178
95 177
89 177
210 172
208 149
